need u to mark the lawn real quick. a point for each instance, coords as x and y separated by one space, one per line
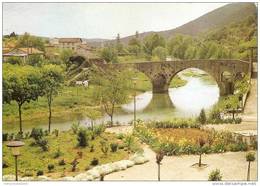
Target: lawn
33 158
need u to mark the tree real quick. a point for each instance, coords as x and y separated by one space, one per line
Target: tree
119 45
152 41
21 84
109 54
14 60
159 158
52 77
93 115
232 103
65 55
202 117
82 138
134 46
250 157
112 88
215 175
160 52
201 142
26 40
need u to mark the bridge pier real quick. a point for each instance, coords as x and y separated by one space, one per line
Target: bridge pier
160 84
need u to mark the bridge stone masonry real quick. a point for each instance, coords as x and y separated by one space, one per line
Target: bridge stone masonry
161 73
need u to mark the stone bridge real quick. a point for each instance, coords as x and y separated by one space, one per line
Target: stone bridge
161 73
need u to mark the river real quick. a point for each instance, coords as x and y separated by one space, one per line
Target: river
185 101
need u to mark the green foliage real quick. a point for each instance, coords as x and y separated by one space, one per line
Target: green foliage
65 55
113 88
14 60
98 130
152 41
250 156
26 40
113 147
5 137
94 162
104 147
50 167
57 153
215 175
74 164
109 54
75 127
202 117
35 60
160 53
36 133
174 123
43 143
82 138
39 173
134 46
21 84
62 162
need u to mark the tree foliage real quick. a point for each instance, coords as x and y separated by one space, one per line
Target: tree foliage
152 41
109 54
112 88
21 84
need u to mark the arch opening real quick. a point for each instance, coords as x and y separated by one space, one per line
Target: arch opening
193 89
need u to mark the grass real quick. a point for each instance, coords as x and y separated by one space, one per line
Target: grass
33 158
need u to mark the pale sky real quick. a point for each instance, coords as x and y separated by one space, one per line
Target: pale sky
98 20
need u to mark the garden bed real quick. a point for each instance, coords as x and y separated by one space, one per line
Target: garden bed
63 149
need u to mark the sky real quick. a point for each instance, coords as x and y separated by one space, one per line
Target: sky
99 20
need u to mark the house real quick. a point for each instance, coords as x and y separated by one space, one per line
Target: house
21 52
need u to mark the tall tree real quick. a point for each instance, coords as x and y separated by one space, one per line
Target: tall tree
250 157
52 77
21 84
160 53
112 88
152 41
109 54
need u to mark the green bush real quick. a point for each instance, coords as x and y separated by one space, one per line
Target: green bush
36 133
5 164
92 149
28 173
62 162
94 162
39 173
75 128
98 129
5 136
50 167
215 175
113 147
57 153
82 138
238 120
43 143
56 132
202 117
104 147
120 136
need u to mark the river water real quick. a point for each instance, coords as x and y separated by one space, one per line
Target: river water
185 101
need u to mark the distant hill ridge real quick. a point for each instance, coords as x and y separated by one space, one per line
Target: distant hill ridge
218 18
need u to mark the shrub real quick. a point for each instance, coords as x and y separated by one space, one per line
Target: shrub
18 136
5 136
80 154
27 135
250 156
202 117
75 128
28 173
113 147
39 173
57 153
98 130
238 120
215 175
46 132
11 137
43 143
120 136
129 140
62 162
74 164
92 148
104 147
235 147
50 167
5 164
82 138
56 132
94 162
36 133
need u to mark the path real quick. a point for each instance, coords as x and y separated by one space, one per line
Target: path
249 116
231 164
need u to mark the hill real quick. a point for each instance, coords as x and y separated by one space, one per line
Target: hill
218 18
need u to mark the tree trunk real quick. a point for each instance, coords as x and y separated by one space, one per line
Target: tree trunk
233 114
49 106
20 117
111 119
200 161
248 171
92 125
159 172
